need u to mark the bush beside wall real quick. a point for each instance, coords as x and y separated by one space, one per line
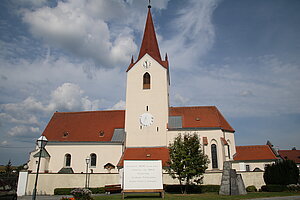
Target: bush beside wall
192 188
251 188
67 191
273 188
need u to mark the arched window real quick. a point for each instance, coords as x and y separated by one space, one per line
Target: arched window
146 81
67 160
214 157
93 160
228 148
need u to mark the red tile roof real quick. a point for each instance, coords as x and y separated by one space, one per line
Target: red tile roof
149 44
291 155
201 117
153 153
84 126
255 152
87 126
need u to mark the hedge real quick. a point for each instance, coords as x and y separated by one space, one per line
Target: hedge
192 188
67 191
281 173
274 188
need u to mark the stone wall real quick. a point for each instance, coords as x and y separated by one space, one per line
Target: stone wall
48 182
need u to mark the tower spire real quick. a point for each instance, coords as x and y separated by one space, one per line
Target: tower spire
149 42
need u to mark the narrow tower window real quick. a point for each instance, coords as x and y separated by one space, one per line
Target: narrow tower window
67 160
146 81
147 108
214 156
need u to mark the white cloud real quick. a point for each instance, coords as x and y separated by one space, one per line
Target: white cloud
119 106
239 89
194 33
24 131
246 93
180 100
85 28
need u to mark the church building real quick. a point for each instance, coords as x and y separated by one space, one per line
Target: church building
142 131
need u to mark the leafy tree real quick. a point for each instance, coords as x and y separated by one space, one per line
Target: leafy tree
282 173
187 162
8 169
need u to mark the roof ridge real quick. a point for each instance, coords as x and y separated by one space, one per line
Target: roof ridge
253 145
90 111
192 106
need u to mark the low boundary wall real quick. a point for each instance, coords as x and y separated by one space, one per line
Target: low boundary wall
48 182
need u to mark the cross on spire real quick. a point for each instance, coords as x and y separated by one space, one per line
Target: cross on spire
149 4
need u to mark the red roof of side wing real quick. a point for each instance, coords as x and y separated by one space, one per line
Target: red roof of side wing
201 117
290 154
84 126
153 153
255 152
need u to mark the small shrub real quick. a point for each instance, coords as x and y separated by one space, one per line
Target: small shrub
293 187
62 191
251 188
67 191
82 194
273 188
99 190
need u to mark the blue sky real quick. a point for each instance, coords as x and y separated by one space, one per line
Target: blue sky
241 56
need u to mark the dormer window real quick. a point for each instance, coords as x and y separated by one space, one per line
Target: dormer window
146 81
101 134
65 134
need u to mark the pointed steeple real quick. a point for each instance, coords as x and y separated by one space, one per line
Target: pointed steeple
149 43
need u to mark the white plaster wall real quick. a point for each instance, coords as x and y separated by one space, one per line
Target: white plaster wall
106 153
213 136
253 178
229 137
137 99
48 182
261 165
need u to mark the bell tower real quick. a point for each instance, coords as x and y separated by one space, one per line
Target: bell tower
147 94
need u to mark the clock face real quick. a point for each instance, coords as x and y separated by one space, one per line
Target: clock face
146 119
146 64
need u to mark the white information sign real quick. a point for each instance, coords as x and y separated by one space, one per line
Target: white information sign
142 175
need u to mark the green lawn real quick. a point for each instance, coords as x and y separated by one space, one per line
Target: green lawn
205 196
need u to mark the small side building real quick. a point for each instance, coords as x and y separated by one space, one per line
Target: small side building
293 155
254 157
